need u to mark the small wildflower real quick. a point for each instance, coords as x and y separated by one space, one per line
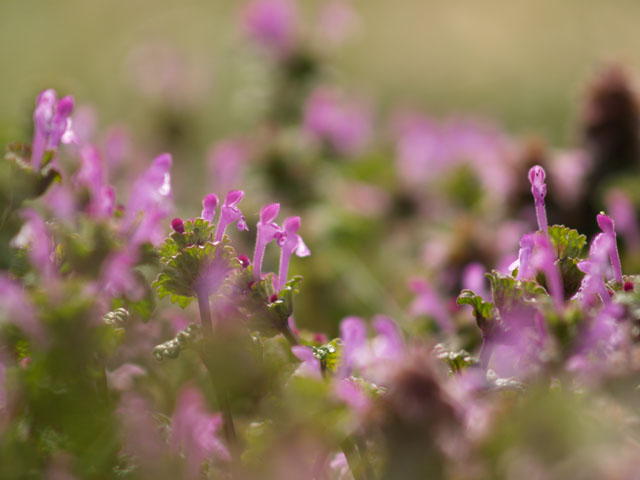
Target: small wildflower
267 230
177 225
209 204
290 242
229 213
539 191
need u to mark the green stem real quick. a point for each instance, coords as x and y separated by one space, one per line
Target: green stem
289 335
353 459
221 397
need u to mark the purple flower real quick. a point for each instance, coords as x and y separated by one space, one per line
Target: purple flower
473 279
526 270
226 164
543 260
16 308
52 124
290 242
267 230
272 25
229 213
352 394
623 213
122 378
118 277
142 437
539 191
177 225
40 242
194 431
150 199
603 336
310 366
427 302
343 123
209 204
596 268
354 336
608 228
92 176
117 145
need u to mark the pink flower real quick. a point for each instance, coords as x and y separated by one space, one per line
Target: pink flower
608 228
267 230
40 241
290 242
344 124
310 366
229 213
623 213
92 176
427 302
194 431
272 25
16 308
543 260
226 164
539 191
150 199
209 204
52 124
354 335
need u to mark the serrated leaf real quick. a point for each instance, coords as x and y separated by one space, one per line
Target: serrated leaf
457 361
183 339
329 355
509 293
567 242
483 311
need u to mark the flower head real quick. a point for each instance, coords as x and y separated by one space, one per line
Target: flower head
608 228
290 242
52 124
229 213
267 230
343 123
539 191
272 25
209 204
194 431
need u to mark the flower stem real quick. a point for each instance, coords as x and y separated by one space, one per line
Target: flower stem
354 459
289 335
221 397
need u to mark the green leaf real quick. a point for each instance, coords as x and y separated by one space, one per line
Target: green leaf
183 339
484 312
567 242
508 292
207 264
329 355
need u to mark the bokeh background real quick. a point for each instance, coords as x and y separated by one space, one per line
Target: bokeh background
179 76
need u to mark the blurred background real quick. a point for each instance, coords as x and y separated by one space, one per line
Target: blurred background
182 77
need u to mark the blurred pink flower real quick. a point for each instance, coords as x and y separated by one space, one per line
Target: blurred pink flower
427 302
336 21
52 124
194 431
310 366
230 213
227 161
623 213
290 242
272 25
345 124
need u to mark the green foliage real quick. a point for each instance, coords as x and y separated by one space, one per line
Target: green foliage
457 361
194 265
567 242
484 312
329 355
508 293
183 339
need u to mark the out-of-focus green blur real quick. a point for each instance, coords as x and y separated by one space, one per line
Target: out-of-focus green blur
520 61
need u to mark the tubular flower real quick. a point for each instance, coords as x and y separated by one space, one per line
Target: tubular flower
608 228
543 260
539 191
268 230
52 124
230 213
209 204
290 242
525 270
596 267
